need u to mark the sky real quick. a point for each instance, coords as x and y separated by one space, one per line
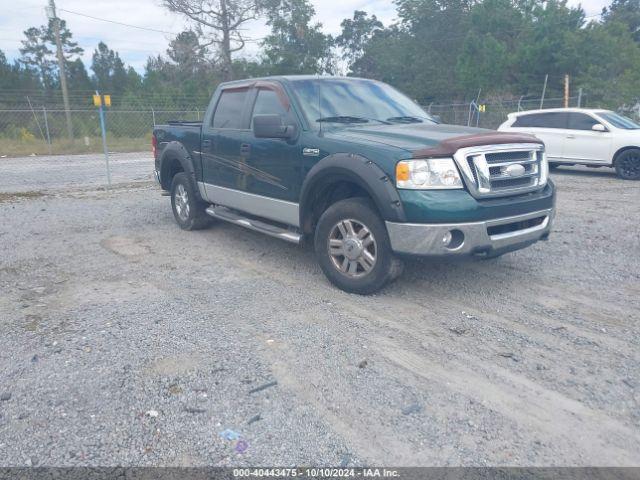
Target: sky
136 45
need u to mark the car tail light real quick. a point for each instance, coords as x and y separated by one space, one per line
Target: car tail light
154 145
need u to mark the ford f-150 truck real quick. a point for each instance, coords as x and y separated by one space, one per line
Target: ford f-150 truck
357 168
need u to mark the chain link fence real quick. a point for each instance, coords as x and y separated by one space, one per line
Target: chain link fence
43 130
492 113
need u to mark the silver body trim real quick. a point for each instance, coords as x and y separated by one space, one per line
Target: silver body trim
426 239
272 208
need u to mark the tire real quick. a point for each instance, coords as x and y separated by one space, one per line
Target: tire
627 164
188 211
353 227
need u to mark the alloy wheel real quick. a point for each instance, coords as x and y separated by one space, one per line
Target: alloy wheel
630 166
352 248
182 202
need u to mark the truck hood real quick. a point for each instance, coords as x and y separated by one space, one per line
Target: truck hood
425 139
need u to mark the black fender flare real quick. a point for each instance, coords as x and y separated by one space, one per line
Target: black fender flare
359 170
176 151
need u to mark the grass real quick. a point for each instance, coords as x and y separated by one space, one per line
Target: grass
22 148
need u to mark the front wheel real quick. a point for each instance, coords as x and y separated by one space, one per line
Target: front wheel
353 248
627 164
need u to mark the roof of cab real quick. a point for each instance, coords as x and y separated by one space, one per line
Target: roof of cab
550 110
294 78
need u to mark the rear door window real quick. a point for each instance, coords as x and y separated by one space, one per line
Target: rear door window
229 110
581 121
542 120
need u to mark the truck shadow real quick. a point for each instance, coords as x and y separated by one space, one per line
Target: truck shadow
294 264
604 172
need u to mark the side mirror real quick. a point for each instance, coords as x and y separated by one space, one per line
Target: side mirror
598 127
271 126
437 118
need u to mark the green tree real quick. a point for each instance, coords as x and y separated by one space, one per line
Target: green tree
70 49
220 22
39 51
486 60
626 12
384 58
187 53
434 32
610 60
77 76
356 32
37 55
547 46
295 44
110 75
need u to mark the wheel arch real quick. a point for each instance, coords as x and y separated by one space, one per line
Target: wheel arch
622 150
174 159
358 174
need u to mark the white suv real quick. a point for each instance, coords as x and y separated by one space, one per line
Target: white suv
580 136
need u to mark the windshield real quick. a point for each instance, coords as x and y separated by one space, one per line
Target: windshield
619 121
352 100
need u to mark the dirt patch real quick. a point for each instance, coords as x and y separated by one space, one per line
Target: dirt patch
16 196
130 248
178 364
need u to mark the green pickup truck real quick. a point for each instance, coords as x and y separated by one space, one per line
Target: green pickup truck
357 168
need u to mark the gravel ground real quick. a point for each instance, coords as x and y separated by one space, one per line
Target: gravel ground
127 341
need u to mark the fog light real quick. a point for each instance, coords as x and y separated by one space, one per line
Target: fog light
453 239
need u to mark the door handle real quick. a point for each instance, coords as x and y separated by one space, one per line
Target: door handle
571 136
245 149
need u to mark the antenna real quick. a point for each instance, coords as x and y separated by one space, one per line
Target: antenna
319 104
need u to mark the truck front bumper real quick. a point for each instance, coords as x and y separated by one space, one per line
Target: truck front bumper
489 237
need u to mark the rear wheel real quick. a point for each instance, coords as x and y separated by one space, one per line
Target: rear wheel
188 211
353 248
627 164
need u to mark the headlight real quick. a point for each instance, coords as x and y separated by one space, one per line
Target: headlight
430 173
544 168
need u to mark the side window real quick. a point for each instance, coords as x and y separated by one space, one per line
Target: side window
229 109
542 120
268 102
581 121
523 121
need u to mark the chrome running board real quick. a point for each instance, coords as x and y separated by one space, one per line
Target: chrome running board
227 215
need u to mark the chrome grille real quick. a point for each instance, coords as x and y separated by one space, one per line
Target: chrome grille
498 157
500 170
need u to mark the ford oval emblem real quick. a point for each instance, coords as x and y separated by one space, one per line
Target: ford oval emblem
515 170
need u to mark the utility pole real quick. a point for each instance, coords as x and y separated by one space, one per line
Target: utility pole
580 97
566 91
63 75
544 90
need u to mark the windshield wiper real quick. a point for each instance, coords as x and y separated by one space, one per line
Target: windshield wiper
405 119
349 119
